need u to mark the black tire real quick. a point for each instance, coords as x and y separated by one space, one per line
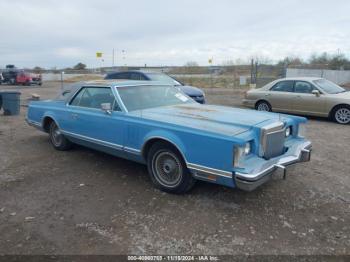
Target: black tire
57 139
263 105
341 114
168 170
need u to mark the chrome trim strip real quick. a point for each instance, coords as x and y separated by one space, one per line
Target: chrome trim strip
132 150
103 143
209 170
33 123
93 140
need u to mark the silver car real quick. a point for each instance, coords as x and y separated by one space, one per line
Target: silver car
303 96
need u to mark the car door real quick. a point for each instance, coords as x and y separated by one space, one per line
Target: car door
305 102
86 120
280 96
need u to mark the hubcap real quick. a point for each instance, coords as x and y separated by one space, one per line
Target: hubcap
343 115
167 169
263 107
56 136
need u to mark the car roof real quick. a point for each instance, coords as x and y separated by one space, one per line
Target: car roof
135 71
73 88
304 78
122 82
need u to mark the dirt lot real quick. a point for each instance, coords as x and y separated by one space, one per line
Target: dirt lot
86 202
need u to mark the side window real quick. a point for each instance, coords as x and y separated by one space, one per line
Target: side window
123 76
135 76
283 86
142 77
303 87
77 98
112 76
93 97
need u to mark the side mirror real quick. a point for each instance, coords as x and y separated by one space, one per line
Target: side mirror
316 92
107 108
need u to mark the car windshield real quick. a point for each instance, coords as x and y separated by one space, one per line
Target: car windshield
163 78
143 97
329 87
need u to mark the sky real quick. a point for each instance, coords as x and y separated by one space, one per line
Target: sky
50 33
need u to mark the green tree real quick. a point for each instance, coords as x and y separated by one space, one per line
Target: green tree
79 66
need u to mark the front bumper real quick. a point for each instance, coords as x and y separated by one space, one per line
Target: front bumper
248 103
250 181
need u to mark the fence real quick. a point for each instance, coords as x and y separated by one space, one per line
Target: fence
336 76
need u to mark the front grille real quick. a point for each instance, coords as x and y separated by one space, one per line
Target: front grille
272 140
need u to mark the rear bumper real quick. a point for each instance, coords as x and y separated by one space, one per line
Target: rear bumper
250 181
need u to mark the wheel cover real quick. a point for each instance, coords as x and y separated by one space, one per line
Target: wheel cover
56 135
167 169
342 115
263 107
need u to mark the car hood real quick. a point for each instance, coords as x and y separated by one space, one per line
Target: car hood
191 90
215 119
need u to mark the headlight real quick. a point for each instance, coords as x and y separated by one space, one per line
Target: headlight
302 130
288 131
247 148
239 152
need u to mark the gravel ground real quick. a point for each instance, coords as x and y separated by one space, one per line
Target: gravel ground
86 202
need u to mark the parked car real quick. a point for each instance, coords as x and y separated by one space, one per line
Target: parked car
193 92
304 96
14 76
25 78
9 74
178 139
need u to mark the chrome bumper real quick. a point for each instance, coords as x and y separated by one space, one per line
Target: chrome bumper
249 182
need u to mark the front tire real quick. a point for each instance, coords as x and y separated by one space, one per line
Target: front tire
168 170
57 139
341 115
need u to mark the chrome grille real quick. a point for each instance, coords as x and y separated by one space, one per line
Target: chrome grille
272 140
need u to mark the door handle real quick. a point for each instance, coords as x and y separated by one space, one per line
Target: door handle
267 95
74 116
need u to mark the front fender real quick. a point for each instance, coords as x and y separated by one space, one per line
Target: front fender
167 136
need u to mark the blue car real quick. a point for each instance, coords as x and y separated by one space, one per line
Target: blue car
178 139
193 92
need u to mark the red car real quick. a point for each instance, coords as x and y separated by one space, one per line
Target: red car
24 78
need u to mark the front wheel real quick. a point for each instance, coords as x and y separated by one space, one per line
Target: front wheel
342 115
57 139
168 170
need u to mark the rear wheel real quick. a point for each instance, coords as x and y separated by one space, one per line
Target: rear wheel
341 114
57 139
168 170
263 106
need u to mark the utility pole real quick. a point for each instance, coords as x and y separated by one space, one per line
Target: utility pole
252 72
113 56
